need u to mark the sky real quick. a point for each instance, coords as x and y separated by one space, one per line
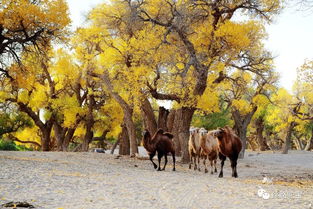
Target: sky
290 37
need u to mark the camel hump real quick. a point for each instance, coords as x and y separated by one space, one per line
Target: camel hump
169 135
160 131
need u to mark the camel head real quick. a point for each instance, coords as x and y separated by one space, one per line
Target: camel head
202 131
146 134
219 133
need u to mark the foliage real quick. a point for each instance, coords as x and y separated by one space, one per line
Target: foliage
212 121
11 146
12 122
30 26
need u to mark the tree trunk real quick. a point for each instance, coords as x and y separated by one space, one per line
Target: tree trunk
59 133
259 123
162 119
148 116
115 145
45 140
87 138
175 132
131 131
241 125
287 143
180 130
89 123
309 145
170 120
124 142
242 134
127 110
68 137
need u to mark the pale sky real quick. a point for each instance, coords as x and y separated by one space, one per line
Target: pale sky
290 37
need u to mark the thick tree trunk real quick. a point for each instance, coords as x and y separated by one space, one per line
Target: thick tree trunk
180 130
259 124
287 143
124 148
45 140
131 131
162 119
241 125
59 133
175 132
148 116
87 138
241 130
170 120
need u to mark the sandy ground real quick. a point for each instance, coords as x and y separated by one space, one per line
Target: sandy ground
93 180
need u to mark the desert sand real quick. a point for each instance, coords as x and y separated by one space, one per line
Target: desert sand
56 180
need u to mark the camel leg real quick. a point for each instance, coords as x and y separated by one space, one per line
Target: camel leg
199 163
165 156
215 170
190 160
211 163
160 155
195 162
204 163
173 155
233 162
151 155
222 158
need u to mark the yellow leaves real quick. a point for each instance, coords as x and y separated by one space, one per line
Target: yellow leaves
209 101
28 134
23 97
109 57
282 97
243 106
234 34
4 95
50 15
39 98
63 70
241 35
261 100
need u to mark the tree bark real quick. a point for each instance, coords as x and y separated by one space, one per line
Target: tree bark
162 119
259 124
287 143
241 125
59 133
89 123
115 145
68 137
45 128
309 145
170 120
127 110
45 139
124 148
148 116
180 130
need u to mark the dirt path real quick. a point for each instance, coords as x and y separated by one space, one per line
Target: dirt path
94 180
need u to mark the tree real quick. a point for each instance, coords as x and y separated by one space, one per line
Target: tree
183 43
29 26
248 89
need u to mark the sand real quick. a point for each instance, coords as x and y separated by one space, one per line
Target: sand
94 180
